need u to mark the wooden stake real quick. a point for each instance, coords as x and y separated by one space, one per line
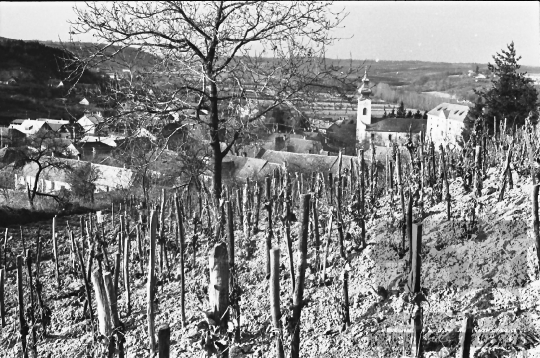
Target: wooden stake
102 303
126 276
218 290
111 298
274 300
346 316
301 273
164 339
151 282
414 286
180 226
465 338
2 304
55 252
23 328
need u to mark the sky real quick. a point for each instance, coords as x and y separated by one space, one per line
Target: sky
426 31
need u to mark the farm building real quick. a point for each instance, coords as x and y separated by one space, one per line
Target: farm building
395 130
53 179
445 122
306 163
239 169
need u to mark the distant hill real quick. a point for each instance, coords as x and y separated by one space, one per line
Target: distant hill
33 82
129 57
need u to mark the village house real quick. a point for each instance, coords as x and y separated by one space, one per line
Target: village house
53 179
90 123
30 126
445 122
55 83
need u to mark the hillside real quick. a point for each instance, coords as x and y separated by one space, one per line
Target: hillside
482 266
40 88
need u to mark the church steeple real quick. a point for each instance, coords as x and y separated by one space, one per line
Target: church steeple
364 90
363 116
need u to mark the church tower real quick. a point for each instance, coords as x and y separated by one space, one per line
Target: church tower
363 117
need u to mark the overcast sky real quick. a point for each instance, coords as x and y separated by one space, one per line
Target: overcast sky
426 31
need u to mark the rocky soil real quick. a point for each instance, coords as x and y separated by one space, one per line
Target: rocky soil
485 268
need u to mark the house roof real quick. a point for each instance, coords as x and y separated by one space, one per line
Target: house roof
95 119
17 121
457 112
104 140
398 125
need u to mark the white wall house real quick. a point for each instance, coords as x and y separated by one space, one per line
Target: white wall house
445 122
89 122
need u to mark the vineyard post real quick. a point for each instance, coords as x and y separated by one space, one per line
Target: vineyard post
373 178
465 338
111 298
102 303
22 239
160 236
218 290
257 208
269 231
164 341
140 247
113 304
2 305
362 198
180 226
432 157
151 281
239 205
117 262
478 171
22 322
5 247
38 255
86 285
126 275
301 273
55 251
507 174
422 174
230 244
247 213
446 184
288 227
316 229
414 285
331 188
274 301
326 249
346 315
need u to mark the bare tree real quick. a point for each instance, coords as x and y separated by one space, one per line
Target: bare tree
45 151
223 64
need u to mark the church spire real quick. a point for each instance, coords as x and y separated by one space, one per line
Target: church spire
364 90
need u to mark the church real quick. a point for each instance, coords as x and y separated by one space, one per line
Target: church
443 125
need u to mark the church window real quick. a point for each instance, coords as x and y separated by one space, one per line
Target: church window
364 111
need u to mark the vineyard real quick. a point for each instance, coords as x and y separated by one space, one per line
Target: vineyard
430 253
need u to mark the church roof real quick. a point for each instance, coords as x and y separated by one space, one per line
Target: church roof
398 125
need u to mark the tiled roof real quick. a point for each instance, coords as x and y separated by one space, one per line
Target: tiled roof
398 125
452 111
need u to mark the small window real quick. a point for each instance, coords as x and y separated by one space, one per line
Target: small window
364 111
456 112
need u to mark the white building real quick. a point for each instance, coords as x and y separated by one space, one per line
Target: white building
89 123
445 122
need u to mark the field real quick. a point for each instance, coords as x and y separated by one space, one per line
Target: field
446 240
